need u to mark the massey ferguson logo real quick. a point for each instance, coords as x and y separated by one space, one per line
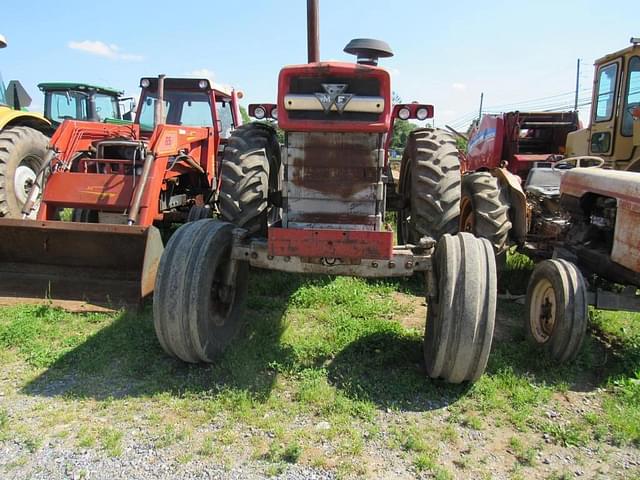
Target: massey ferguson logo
334 95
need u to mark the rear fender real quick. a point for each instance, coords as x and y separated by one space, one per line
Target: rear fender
18 118
518 203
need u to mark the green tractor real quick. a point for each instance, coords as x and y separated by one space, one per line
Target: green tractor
24 136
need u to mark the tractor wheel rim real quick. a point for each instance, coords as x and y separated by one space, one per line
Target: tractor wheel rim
542 313
23 180
467 219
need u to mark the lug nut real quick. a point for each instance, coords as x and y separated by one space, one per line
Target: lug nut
254 255
374 264
270 257
392 264
408 265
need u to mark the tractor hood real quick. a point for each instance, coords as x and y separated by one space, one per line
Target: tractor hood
334 97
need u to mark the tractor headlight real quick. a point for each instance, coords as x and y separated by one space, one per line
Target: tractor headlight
203 84
259 113
144 83
422 113
404 113
274 113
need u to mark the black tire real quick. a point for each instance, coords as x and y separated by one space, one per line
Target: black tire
556 309
199 212
484 209
192 320
250 176
429 185
22 154
461 313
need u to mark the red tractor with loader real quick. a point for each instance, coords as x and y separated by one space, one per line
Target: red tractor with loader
119 187
327 216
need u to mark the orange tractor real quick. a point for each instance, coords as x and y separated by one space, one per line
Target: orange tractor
324 212
119 186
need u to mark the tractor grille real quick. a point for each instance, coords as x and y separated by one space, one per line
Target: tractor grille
333 181
366 87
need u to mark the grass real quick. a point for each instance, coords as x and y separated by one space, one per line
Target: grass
323 371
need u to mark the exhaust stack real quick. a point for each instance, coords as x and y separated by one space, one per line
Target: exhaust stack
313 34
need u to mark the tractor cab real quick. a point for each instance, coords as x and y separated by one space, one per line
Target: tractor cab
614 130
189 101
80 101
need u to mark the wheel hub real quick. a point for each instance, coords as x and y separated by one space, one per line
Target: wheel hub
543 311
23 180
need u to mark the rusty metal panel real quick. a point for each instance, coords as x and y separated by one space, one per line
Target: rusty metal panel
334 179
626 240
107 264
330 243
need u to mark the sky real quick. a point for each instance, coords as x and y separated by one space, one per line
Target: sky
517 53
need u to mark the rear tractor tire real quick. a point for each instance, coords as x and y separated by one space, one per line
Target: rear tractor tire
429 186
22 154
461 311
556 309
484 209
250 177
198 300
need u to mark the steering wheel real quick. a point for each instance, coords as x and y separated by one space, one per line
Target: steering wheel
577 162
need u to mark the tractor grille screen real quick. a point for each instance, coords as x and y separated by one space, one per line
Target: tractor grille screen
369 87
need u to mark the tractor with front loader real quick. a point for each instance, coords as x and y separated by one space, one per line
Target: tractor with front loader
24 136
327 215
564 204
120 186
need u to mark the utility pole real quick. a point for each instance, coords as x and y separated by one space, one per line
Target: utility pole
575 105
480 112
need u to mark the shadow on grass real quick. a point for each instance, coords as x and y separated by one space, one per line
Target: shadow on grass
598 362
125 359
387 368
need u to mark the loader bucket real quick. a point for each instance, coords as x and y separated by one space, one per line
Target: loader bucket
101 264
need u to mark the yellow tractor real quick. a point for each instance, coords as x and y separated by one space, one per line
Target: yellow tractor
614 131
23 145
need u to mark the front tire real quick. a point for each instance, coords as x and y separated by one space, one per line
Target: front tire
196 314
461 311
22 155
429 186
556 309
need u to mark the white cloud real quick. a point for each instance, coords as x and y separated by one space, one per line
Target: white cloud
461 87
101 49
202 73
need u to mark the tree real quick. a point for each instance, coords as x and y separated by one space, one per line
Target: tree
401 131
245 116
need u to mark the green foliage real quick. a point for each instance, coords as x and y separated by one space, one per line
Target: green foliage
245 115
401 131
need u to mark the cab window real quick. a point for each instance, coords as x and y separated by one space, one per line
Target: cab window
225 117
632 97
68 105
605 99
106 106
180 108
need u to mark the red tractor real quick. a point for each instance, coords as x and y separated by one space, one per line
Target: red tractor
120 185
499 174
327 216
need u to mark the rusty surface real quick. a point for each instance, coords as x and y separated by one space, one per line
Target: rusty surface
402 262
101 263
330 243
623 186
334 179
